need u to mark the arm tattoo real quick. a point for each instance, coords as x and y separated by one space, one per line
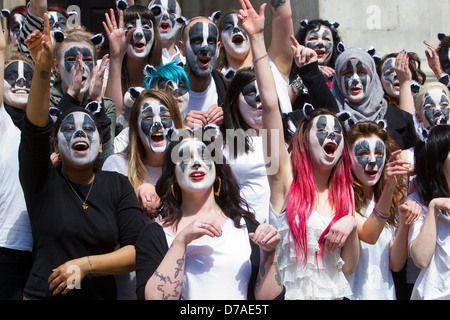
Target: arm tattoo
180 263
44 75
277 3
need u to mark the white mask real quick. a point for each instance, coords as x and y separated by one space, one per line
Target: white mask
195 169
326 141
154 118
369 157
78 139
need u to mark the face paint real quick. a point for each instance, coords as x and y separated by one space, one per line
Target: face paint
389 79
57 21
201 48
195 170
435 108
141 42
250 105
16 86
154 118
234 38
355 80
445 60
78 139
325 141
68 59
166 20
321 41
179 91
16 23
369 157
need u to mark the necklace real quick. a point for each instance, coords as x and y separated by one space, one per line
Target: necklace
84 205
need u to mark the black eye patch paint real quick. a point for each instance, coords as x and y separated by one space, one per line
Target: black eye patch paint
18 72
250 94
72 53
389 67
362 145
197 39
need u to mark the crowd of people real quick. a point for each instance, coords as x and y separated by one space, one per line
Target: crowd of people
195 161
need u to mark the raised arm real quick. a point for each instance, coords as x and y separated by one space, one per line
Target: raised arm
2 61
40 46
282 30
404 76
273 142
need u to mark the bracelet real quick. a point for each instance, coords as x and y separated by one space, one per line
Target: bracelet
293 90
260 58
90 265
379 215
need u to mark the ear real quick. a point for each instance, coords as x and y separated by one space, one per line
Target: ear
215 16
5 13
59 36
341 47
441 36
304 23
182 47
122 5
181 20
156 9
308 110
97 40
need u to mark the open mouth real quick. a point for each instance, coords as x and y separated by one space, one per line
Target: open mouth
355 90
330 148
260 108
320 53
237 39
157 137
164 26
139 45
204 61
440 120
371 173
21 91
197 175
80 146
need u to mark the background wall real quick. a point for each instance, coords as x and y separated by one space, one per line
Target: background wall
388 25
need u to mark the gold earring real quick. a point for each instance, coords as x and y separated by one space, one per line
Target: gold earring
220 185
173 193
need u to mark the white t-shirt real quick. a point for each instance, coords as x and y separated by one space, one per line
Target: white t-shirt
433 282
15 228
282 87
250 172
217 268
203 100
372 279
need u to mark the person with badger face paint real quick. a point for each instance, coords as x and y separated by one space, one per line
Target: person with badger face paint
100 208
169 21
134 42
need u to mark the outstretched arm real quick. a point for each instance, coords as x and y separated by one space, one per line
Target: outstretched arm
273 141
40 46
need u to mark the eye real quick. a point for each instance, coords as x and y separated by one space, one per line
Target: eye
71 59
347 73
89 128
363 153
379 153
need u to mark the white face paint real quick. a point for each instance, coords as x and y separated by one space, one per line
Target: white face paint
389 79
369 158
250 105
435 108
154 118
195 169
355 80
78 139
16 86
321 41
142 40
67 60
15 25
166 19
325 141
234 38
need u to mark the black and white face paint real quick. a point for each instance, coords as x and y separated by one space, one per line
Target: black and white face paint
250 105
141 42
321 41
15 25
154 119
369 157
179 91
234 38
435 108
355 80
444 59
166 20
78 139
325 141
389 79
16 86
202 48
69 53
57 21
195 169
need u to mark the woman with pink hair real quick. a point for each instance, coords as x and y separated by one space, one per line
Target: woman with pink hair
311 190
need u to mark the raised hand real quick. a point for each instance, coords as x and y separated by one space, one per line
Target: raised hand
395 167
96 86
302 55
118 40
433 59
251 21
402 67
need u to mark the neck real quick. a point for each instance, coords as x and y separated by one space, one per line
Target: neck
135 69
170 46
153 159
198 203
239 61
78 176
198 84
321 178
369 193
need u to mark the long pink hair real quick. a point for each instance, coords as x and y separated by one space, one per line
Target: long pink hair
302 192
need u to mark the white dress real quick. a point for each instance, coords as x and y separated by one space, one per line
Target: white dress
316 280
372 279
433 282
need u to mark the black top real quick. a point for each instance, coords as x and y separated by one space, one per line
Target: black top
62 229
151 247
